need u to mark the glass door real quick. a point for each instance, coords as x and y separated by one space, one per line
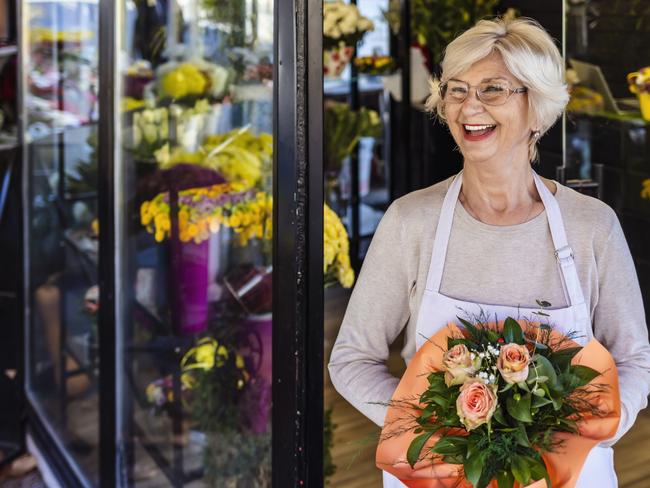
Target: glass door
60 113
193 202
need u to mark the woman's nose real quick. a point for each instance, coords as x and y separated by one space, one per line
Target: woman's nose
472 104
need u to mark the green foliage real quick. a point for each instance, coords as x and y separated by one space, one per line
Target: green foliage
435 23
343 129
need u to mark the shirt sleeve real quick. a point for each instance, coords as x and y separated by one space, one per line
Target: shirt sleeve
377 312
620 325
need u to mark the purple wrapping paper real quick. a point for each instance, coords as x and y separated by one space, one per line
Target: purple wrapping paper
189 286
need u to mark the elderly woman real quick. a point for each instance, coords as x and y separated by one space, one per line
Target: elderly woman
497 236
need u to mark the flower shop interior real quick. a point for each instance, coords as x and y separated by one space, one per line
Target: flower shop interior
172 283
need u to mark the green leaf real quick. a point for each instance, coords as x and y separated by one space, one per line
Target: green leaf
473 467
471 448
520 469
417 444
492 336
499 417
545 368
562 358
538 470
585 373
540 401
523 386
521 436
520 410
451 446
505 479
512 331
471 328
506 388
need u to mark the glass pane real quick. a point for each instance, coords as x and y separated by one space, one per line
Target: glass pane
195 169
60 81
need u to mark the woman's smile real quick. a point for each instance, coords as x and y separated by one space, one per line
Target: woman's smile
478 132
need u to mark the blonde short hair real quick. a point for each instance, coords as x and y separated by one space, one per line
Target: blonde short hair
529 54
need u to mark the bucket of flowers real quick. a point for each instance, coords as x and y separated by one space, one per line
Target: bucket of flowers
343 27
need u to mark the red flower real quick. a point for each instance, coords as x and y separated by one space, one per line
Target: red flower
500 340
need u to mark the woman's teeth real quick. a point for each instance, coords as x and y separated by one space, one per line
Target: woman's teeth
472 128
477 132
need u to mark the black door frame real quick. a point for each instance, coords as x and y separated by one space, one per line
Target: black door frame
298 245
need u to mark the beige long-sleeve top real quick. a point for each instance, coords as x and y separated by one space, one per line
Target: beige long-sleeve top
507 265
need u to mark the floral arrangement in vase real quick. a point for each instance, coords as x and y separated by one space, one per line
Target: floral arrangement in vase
343 27
238 155
202 211
149 128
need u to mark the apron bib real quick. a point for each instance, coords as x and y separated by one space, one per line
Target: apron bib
436 310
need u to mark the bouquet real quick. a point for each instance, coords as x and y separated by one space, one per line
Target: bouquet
343 24
499 403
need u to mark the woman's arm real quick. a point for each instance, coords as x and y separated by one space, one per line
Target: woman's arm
620 325
377 312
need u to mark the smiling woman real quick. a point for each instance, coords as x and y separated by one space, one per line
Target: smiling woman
496 239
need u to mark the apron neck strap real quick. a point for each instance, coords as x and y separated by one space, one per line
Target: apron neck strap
563 252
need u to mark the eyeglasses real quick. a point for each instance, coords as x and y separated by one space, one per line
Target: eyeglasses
494 92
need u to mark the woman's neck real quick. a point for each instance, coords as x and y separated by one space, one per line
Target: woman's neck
500 195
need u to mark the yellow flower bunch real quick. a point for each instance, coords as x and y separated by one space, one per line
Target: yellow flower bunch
202 211
239 155
45 34
336 250
183 80
129 103
207 354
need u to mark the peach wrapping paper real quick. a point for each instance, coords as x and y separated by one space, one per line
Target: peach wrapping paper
564 466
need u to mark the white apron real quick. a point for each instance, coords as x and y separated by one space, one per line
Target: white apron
436 310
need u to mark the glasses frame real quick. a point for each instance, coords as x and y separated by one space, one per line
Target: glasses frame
511 90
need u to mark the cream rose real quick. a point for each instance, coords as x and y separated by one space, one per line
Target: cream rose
513 363
476 403
458 365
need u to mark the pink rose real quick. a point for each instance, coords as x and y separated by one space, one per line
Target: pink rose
458 365
476 403
513 363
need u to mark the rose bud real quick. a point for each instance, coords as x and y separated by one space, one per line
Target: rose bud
513 363
458 365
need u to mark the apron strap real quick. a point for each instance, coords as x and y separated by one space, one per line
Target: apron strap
443 231
563 253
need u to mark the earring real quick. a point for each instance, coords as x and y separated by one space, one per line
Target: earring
536 134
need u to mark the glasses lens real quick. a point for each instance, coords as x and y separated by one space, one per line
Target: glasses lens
494 92
455 91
